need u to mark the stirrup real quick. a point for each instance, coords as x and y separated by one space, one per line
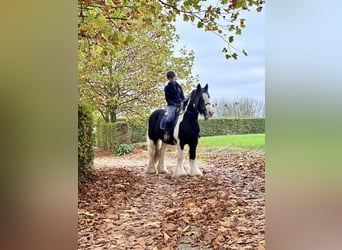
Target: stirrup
166 137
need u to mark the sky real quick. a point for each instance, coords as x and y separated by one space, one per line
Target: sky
231 78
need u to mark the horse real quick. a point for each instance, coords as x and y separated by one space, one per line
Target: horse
186 132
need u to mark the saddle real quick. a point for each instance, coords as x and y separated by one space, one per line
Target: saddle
163 120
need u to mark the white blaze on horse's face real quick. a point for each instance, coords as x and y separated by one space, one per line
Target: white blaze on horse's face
209 108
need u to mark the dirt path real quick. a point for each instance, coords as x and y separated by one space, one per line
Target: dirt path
138 159
125 209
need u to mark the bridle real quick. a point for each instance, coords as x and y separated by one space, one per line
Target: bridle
205 105
196 111
205 109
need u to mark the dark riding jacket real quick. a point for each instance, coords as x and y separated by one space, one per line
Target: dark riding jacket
173 94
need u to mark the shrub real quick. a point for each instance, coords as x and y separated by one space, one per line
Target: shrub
124 149
138 132
224 126
211 127
109 136
86 141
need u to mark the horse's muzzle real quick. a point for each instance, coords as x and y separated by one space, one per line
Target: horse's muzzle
209 115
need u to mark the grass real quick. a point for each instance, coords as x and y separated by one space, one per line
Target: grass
256 141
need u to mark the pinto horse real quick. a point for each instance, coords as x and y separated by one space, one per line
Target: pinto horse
186 131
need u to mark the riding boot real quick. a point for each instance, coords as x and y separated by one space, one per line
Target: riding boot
167 131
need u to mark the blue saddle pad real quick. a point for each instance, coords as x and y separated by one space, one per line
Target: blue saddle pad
163 121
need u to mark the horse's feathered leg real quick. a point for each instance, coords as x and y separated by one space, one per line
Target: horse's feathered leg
152 148
179 171
194 170
161 166
158 153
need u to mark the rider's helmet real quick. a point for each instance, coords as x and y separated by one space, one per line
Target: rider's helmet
170 75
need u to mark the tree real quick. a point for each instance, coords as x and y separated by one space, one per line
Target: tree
239 107
105 21
122 40
130 81
126 46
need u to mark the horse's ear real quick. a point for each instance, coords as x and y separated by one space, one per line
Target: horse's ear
206 87
199 88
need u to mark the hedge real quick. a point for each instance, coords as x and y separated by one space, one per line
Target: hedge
211 127
138 132
109 136
86 141
232 126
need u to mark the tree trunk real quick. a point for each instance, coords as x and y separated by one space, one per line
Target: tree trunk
113 116
104 115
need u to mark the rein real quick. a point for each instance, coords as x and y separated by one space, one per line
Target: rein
184 109
192 112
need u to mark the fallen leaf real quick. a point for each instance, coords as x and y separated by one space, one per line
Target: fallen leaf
186 228
122 208
170 227
132 211
236 211
166 237
209 237
226 222
222 229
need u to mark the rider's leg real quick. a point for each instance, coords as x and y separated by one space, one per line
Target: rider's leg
169 120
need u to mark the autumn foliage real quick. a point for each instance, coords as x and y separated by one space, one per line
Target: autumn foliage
126 46
111 21
129 81
224 209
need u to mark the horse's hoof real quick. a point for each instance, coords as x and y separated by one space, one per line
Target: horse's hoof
179 174
163 172
196 174
151 172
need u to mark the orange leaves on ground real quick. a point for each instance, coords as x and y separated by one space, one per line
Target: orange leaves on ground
224 209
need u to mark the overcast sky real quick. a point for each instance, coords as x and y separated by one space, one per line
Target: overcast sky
244 77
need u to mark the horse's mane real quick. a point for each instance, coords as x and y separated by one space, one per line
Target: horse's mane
187 99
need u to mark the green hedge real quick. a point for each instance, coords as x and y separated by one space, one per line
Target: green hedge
232 126
109 136
211 127
138 132
86 141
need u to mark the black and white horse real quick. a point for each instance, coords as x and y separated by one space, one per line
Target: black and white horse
186 131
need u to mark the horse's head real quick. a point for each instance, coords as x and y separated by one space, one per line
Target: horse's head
200 101
205 104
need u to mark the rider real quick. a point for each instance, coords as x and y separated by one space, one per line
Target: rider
174 97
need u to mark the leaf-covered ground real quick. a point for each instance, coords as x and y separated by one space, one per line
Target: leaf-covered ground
122 208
